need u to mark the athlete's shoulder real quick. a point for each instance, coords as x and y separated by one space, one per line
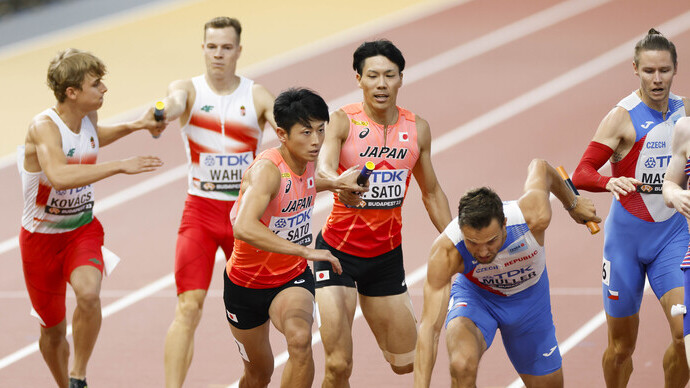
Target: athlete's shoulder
617 120
352 109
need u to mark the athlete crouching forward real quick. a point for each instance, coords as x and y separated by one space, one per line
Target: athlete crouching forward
267 276
488 238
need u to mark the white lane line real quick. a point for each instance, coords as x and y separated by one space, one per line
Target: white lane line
320 205
461 53
598 65
355 34
491 41
578 336
531 99
415 13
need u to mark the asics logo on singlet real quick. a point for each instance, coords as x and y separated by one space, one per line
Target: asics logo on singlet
288 185
364 133
646 124
207 108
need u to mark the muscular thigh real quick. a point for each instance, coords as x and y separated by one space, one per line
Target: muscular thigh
48 260
529 335
623 275
467 303
662 271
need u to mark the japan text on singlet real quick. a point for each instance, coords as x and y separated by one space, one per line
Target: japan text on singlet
221 138
47 210
374 229
649 157
519 264
288 215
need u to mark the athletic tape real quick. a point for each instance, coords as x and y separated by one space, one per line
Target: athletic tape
400 360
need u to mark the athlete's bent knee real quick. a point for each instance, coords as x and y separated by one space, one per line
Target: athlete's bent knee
189 310
464 367
620 352
257 378
299 344
339 367
89 301
400 363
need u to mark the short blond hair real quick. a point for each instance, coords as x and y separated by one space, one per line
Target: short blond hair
224 22
68 69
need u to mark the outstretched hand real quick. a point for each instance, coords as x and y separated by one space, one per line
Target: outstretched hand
149 122
139 164
325 255
622 186
681 202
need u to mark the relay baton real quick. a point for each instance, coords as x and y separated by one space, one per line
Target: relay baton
365 173
158 111
591 225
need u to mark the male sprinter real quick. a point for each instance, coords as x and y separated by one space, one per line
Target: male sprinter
222 116
367 239
498 248
268 277
642 236
60 240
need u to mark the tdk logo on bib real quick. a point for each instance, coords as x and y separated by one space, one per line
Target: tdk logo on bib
385 176
227 160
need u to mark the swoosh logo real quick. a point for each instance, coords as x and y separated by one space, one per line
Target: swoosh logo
550 351
299 281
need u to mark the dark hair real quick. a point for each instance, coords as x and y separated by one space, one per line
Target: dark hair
478 207
299 105
377 47
655 41
224 22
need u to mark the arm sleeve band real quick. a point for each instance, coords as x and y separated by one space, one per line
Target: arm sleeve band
586 175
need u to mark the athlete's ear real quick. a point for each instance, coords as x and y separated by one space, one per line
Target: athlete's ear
635 69
359 79
282 134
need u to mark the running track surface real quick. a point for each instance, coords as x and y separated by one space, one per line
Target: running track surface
500 83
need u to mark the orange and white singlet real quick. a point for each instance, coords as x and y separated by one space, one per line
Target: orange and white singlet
221 138
374 229
47 210
288 215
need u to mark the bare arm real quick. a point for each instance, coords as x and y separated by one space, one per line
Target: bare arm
435 200
260 185
327 177
109 133
347 181
263 104
543 179
44 153
617 133
444 262
675 181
